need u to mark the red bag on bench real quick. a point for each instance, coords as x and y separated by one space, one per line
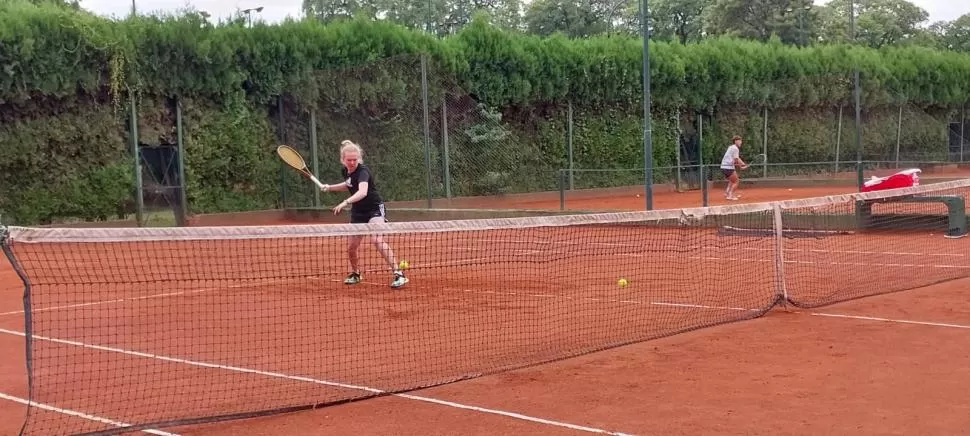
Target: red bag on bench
902 179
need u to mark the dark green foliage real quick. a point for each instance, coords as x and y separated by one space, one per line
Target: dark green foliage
66 77
70 160
230 160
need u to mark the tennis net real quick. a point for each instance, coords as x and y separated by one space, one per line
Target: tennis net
155 327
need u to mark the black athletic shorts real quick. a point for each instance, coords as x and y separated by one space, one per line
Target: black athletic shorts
365 217
727 172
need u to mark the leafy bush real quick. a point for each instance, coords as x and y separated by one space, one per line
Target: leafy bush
66 78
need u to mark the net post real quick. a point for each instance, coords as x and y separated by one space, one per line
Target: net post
5 246
781 292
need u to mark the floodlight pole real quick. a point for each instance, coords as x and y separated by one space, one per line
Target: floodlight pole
647 136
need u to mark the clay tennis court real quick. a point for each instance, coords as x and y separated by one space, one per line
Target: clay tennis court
891 364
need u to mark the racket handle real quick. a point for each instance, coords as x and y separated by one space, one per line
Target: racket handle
314 178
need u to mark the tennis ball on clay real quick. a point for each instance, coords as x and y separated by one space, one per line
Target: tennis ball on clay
621 282
403 264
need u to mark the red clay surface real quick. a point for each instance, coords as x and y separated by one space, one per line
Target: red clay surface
785 373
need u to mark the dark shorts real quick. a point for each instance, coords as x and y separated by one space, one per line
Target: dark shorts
727 173
365 217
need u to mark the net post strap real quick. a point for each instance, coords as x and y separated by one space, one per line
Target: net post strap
781 291
58 235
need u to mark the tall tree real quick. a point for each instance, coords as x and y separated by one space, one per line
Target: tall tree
878 22
441 16
329 10
455 14
956 34
790 20
69 4
575 19
678 19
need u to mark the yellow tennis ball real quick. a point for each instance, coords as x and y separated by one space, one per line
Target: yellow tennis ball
403 264
621 282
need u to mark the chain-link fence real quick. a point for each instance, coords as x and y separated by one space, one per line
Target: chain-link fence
432 143
423 135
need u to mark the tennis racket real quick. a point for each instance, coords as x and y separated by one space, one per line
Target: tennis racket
293 159
757 159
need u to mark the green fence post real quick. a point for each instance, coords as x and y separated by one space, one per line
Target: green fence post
182 212
139 198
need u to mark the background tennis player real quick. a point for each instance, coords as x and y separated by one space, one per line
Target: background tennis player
366 206
729 165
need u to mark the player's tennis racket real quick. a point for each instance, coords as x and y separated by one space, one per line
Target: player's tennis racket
757 159
295 160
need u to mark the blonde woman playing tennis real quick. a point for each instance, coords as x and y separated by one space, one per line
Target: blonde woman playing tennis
366 206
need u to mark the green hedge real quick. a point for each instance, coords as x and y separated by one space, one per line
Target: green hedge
66 78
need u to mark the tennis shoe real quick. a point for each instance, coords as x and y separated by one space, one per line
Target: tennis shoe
352 279
399 280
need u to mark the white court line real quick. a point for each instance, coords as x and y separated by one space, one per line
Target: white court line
479 260
593 299
865 252
514 252
524 252
512 415
144 297
458 262
701 306
697 306
897 321
608 300
201 290
315 381
703 247
805 262
79 414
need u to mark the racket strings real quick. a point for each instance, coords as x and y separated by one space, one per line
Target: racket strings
291 157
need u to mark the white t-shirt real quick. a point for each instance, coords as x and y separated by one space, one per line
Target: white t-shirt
732 153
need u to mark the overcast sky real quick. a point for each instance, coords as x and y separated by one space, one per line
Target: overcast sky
276 10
